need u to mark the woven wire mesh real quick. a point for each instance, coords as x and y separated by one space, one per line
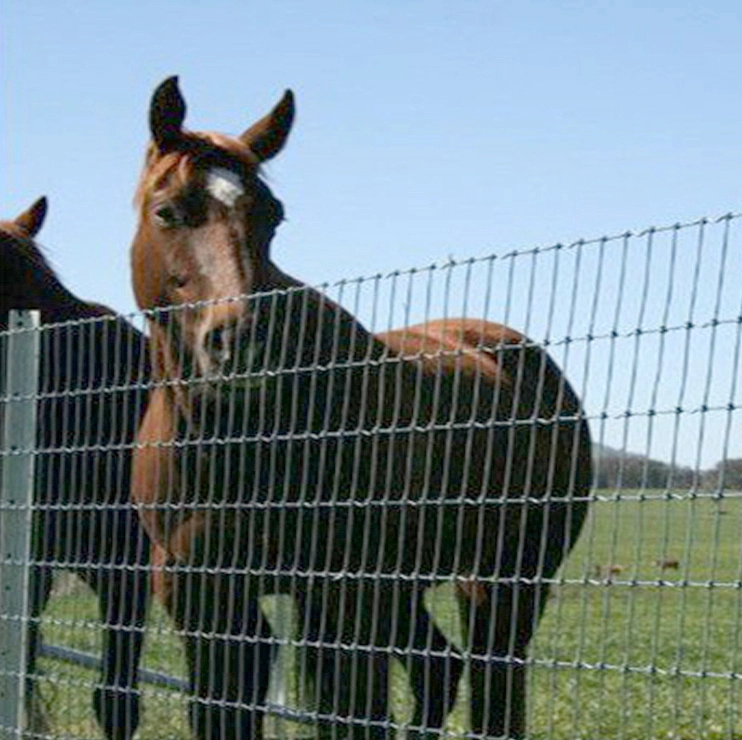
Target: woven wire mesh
640 635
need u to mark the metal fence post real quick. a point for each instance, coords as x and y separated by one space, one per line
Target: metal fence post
16 497
282 623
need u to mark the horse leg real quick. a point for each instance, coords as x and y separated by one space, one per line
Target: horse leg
316 664
229 655
435 665
123 598
41 587
362 620
349 672
500 620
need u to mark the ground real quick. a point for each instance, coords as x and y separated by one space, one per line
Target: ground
616 656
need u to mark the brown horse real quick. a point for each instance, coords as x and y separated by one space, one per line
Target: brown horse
93 375
288 449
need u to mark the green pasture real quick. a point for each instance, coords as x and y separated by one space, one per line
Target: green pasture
627 648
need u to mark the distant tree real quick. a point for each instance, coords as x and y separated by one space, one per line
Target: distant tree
726 473
619 469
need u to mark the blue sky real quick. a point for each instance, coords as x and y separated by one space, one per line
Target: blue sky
425 129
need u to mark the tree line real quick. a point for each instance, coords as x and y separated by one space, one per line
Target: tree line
620 469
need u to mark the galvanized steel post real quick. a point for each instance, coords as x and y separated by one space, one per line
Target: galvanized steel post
18 410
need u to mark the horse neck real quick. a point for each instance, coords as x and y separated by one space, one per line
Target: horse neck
89 345
331 354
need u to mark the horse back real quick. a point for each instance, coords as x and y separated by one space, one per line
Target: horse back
496 445
94 371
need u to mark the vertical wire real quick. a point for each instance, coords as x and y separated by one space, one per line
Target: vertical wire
655 637
464 495
271 504
291 342
616 507
117 372
253 498
606 619
525 494
588 530
422 415
70 435
466 498
636 591
357 482
404 499
713 555
176 317
279 504
482 497
677 417
47 459
568 495
240 578
349 391
341 499
290 683
268 439
99 351
691 508
493 430
379 499
556 253
332 598
426 414
411 495
437 419
565 369
298 579
732 406
388 420
639 523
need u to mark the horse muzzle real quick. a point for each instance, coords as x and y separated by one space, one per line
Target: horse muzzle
232 352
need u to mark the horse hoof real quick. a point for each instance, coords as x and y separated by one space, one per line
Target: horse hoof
36 722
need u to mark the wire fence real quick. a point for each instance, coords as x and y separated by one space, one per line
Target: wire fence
411 522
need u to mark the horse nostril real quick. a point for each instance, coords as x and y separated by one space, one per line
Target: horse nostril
219 344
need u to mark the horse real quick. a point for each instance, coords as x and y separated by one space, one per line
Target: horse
286 449
94 367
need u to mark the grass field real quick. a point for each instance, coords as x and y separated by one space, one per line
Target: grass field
625 650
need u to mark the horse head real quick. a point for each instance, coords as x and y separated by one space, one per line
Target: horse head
27 281
206 221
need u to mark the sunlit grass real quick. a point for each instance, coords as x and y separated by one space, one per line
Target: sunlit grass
616 656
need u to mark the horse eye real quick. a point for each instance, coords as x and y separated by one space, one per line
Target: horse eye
179 280
166 216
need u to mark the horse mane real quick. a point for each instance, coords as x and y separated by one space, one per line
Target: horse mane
60 297
179 164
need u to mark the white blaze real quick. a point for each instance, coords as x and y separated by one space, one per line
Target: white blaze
224 185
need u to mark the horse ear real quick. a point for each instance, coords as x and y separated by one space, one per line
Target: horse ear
166 114
267 137
31 220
